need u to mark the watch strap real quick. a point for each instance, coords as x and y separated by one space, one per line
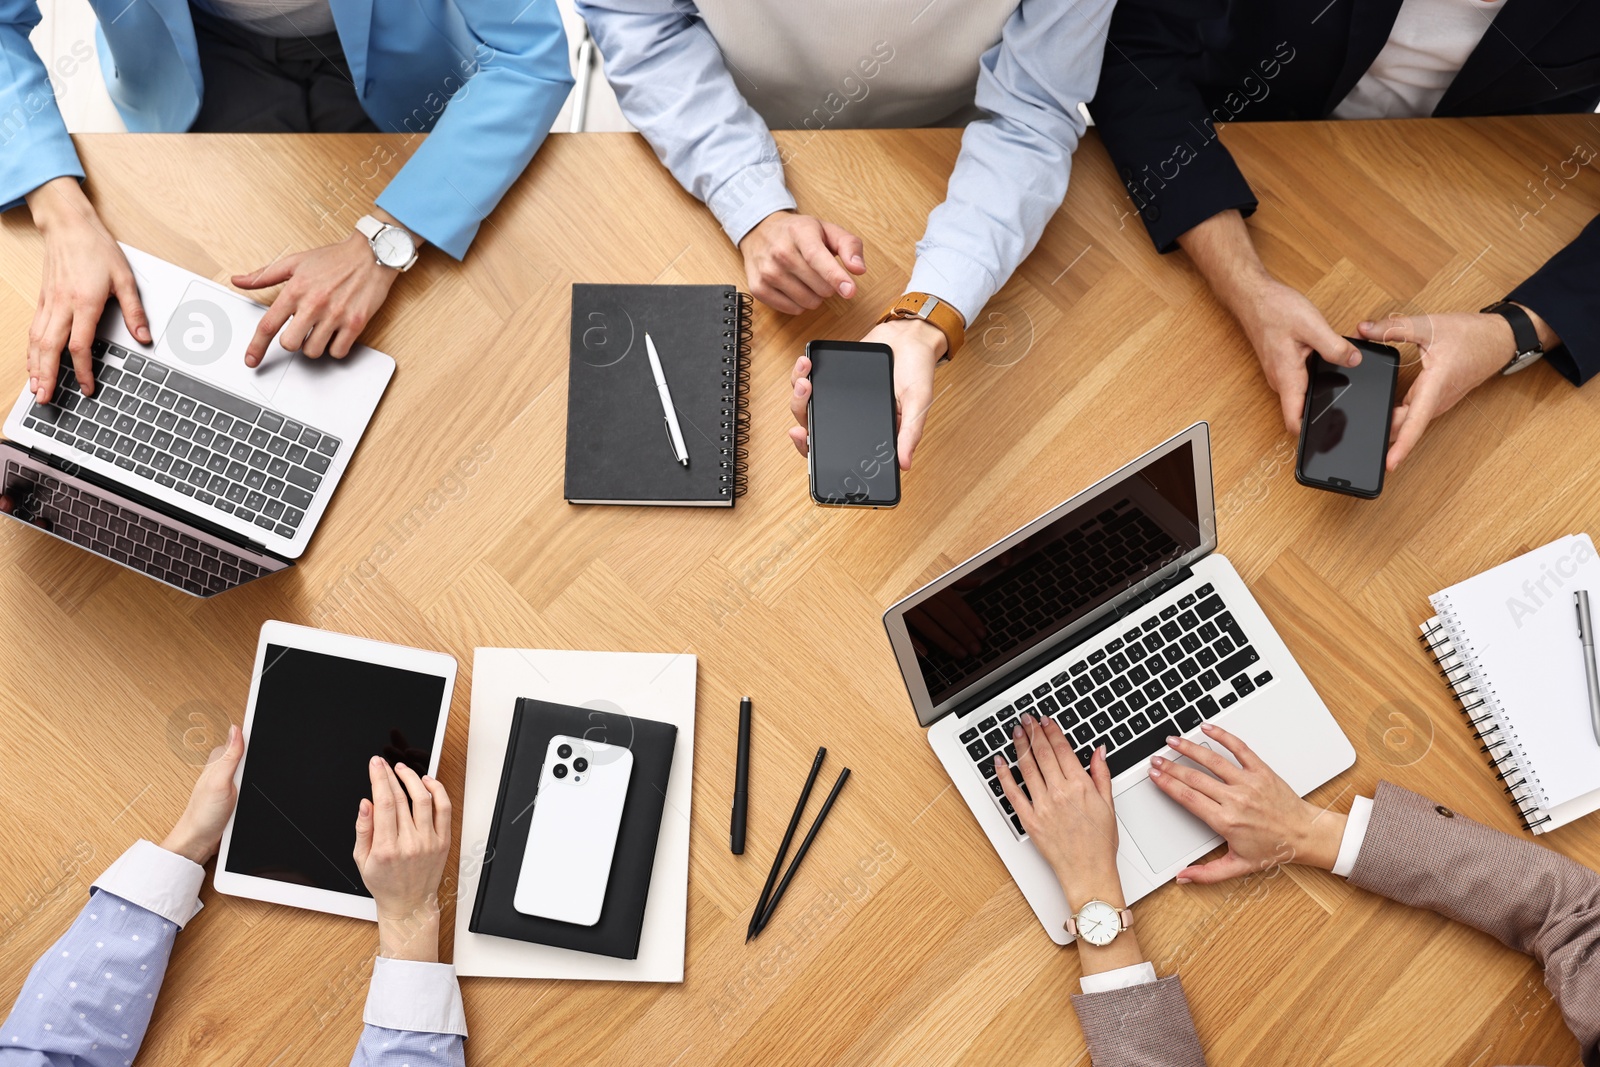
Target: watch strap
369 227
1523 333
932 310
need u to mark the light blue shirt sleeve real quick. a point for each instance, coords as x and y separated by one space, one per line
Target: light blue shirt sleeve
34 146
1008 181
88 1000
1014 164
672 84
490 129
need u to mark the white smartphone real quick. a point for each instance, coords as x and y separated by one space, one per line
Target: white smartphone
572 833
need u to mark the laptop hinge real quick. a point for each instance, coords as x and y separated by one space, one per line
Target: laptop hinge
1074 638
66 466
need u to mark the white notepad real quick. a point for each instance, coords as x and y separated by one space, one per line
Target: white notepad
1507 641
656 685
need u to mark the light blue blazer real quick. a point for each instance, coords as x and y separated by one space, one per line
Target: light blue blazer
484 78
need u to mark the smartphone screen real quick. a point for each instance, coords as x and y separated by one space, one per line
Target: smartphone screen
1346 422
852 424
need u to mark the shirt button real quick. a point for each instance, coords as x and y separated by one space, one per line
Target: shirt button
1446 812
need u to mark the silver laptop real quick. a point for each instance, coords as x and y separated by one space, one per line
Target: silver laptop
1114 614
186 465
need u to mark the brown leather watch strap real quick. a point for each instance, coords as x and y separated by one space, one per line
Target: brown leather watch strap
932 310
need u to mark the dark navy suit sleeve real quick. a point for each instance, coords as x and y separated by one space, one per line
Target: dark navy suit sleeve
1566 293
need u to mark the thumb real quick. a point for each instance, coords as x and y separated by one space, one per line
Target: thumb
1333 346
1101 774
913 414
275 273
847 246
1220 869
1398 329
363 830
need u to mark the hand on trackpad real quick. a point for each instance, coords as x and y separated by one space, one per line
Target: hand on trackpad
1159 827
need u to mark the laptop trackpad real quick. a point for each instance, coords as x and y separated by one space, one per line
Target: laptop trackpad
1162 830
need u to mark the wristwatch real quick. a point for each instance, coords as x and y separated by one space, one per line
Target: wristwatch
1099 923
392 246
1529 350
934 311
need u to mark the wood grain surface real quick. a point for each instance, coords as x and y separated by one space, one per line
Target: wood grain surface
902 940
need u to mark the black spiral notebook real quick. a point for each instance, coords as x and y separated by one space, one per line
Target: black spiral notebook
628 888
618 447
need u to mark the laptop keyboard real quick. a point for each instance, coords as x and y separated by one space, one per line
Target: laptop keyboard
227 453
82 516
1182 665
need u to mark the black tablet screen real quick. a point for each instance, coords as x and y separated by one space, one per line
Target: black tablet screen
319 720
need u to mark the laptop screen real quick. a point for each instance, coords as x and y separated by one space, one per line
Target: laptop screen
1056 578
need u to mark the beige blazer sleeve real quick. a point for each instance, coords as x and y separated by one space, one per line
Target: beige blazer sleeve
1141 1026
1533 899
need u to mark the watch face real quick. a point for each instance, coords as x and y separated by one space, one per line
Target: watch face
1099 923
393 247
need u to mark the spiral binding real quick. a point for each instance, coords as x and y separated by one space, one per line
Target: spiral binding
736 386
1504 762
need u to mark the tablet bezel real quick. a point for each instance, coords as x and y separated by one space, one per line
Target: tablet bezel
289 635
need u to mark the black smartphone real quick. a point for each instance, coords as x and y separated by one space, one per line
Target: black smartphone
1344 432
851 424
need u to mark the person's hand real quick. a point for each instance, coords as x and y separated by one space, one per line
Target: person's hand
1264 823
400 851
331 294
83 267
917 347
1459 352
198 831
790 264
1284 328
1069 818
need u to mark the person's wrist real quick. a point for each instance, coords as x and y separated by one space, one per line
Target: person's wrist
1098 881
1547 337
1319 840
58 204
409 934
191 846
922 333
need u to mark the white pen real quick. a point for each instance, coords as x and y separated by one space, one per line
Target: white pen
669 412
1580 600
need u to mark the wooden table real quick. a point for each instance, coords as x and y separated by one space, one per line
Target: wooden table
903 941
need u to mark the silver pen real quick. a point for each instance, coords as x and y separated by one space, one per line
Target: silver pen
1580 600
680 451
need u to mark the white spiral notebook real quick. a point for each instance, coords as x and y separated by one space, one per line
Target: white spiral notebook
1506 642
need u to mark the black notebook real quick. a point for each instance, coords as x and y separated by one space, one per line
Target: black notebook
618 446
628 888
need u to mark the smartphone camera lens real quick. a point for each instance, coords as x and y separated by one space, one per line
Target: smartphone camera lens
564 751
560 770
580 764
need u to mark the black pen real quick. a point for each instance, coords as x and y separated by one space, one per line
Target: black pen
805 846
741 780
788 835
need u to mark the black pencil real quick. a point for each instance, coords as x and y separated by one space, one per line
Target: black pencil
788 835
805 845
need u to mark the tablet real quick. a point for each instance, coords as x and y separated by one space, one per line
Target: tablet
321 706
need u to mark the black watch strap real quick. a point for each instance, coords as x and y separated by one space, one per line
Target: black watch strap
1523 334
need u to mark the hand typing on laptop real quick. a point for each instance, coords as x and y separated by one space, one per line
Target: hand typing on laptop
1264 822
83 268
1067 812
329 295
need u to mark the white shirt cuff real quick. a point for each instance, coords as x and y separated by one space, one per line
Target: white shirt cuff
157 880
1121 978
1355 832
420 997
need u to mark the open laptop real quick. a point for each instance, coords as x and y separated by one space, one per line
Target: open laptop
186 465
1114 614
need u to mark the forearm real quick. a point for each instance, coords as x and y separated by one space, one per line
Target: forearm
414 1012
1015 162
1223 253
1563 295
673 86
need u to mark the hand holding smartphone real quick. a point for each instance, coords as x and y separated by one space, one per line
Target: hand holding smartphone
1344 431
850 425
